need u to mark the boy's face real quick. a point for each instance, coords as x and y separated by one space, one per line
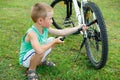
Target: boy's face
48 20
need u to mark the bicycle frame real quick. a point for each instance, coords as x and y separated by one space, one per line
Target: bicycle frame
79 14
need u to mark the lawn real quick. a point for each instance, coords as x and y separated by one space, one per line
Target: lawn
15 20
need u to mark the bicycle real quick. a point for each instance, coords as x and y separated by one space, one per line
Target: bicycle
87 12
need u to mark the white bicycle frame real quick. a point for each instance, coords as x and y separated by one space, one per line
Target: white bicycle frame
79 14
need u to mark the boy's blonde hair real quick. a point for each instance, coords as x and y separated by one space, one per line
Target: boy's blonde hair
40 10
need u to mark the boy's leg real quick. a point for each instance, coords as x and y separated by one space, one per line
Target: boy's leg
49 50
35 60
31 59
44 61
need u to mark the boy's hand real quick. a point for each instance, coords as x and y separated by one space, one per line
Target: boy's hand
58 40
84 27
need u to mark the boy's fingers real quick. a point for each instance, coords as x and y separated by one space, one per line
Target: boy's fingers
84 27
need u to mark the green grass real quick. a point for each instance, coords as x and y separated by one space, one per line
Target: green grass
15 20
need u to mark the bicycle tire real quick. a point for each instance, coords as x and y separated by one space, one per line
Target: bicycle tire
59 18
97 42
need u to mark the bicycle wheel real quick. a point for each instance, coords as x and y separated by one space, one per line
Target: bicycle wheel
64 14
96 43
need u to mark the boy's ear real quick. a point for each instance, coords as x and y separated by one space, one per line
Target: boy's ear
40 20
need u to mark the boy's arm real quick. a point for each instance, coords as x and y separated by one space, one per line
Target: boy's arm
41 48
66 31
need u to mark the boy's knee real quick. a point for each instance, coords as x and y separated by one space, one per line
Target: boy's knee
50 39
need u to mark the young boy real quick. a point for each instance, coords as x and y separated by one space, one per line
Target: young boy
35 45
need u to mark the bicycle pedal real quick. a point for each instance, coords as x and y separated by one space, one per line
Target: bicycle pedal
67 25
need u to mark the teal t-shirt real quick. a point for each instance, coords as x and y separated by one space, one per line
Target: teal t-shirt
26 46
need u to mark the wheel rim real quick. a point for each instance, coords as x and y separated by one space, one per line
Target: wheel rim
60 19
